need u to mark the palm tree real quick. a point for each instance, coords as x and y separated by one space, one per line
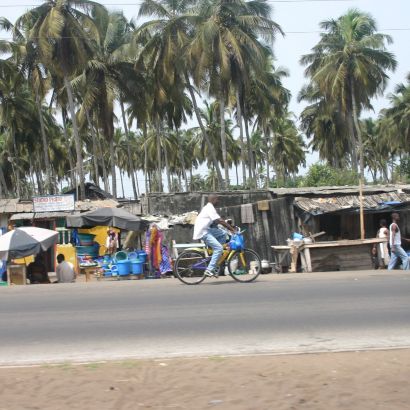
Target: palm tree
376 151
26 58
101 78
18 118
350 64
399 114
268 100
226 35
168 37
287 152
62 31
323 122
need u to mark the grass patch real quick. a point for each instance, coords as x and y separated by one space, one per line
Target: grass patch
217 358
129 364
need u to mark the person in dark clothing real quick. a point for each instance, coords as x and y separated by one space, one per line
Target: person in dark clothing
37 272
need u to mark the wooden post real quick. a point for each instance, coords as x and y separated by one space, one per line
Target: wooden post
362 231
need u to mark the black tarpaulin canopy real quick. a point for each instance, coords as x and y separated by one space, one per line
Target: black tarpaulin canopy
115 217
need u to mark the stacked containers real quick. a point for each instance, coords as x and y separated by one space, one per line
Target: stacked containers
136 263
123 263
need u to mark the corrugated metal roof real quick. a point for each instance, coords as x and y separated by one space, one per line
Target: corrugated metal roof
89 205
8 206
24 210
40 215
339 190
317 206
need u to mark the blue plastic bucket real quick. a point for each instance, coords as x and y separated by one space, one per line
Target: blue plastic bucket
142 256
88 250
121 256
114 270
132 256
124 267
86 239
136 267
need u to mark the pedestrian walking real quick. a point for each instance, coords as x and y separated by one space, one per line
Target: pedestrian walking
395 240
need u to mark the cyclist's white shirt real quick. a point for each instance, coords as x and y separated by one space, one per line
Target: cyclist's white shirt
204 220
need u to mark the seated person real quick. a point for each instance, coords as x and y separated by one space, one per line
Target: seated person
65 271
37 272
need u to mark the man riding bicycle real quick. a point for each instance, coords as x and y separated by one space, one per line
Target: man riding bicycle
206 229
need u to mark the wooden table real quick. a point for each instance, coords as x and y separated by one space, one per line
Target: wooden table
16 274
338 255
88 271
280 253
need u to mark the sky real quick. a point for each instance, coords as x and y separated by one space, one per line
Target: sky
299 20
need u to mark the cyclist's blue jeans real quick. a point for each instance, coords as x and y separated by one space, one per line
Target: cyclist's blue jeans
214 238
398 253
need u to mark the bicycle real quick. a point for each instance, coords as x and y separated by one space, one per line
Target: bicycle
243 265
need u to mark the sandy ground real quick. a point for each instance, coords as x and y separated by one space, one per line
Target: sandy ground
353 380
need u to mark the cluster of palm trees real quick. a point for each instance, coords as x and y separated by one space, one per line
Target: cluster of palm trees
346 69
85 91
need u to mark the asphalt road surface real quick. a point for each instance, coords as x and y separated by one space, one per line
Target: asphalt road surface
162 318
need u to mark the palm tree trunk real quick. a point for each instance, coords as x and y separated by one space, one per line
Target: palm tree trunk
39 179
167 170
103 165
179 175
137 183
69 155
204 133
223 137
237 174
182 161
361 159
49 182
385 173
240 123
3 185
352 140
95 150
145 134
77 140
130 161
113 163
16 170
33 184
159 157
252 176
267 157
122 183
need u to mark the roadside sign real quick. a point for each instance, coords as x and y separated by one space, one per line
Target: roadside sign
53 203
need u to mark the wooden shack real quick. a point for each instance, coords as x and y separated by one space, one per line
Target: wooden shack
271 216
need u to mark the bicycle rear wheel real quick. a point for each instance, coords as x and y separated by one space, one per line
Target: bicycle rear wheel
245 265
190 267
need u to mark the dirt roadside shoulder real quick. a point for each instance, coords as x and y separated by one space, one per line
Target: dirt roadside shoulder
348 380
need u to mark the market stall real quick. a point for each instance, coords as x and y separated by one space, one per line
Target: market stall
97 256
22 242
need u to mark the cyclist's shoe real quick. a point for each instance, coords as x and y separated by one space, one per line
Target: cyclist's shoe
212 273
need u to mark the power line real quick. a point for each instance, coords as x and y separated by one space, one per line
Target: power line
286 32
140 3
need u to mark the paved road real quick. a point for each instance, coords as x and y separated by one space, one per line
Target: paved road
163 318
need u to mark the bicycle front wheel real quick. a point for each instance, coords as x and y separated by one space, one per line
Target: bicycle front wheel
190 267
245 265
